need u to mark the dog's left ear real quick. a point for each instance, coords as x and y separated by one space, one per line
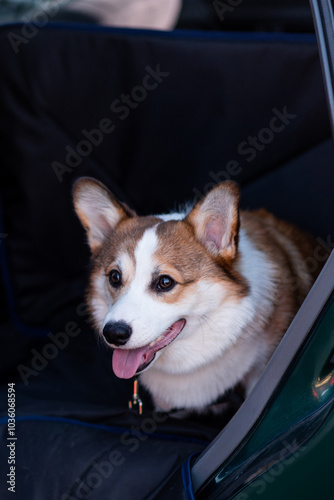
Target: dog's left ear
215 220
98 210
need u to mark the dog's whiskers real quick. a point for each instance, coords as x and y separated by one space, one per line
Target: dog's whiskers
211 324
204 319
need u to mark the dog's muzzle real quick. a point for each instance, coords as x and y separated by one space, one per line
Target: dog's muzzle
128 362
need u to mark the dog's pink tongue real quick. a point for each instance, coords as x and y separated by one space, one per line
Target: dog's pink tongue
125 362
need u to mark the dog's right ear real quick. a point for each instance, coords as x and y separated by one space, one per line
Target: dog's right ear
215 220
98 210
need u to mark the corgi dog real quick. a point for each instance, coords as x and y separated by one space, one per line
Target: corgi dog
194 302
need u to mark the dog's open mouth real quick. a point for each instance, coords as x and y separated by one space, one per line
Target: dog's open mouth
127 362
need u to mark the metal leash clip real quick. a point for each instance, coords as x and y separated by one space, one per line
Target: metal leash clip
136 401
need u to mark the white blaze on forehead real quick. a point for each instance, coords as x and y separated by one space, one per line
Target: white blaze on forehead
144 253
137 306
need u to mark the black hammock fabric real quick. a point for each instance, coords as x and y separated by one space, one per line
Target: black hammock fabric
159 118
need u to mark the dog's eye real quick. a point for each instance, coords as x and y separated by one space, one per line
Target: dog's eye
165 283
115 278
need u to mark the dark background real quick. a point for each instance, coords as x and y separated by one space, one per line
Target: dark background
224 87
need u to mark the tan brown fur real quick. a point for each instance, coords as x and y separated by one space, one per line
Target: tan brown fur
288 248
181 249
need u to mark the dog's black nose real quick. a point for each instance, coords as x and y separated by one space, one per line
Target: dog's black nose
117 333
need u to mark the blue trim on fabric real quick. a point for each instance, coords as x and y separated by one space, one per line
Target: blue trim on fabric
9 293
186 478
108 428
237 36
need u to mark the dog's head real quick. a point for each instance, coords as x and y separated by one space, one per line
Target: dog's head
158 281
